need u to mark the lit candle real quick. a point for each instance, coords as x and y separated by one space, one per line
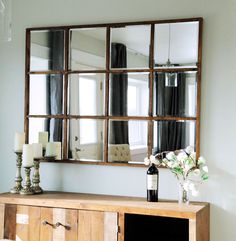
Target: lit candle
19 141
43 138
37 150
28 155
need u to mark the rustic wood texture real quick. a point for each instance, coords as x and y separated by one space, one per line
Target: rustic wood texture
119 24
199 77
10 222
121 225
110 226
71 219
106 203
29 231
90 217
97 226
203 225
51 232
46 231
2 213
91 225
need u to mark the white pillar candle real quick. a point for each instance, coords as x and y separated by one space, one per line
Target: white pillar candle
50 149
53 149
37 150
43 138
19 141
27 157
58 149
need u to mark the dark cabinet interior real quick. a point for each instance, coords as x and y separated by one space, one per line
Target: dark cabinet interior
155 228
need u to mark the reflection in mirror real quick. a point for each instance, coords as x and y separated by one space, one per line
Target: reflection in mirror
173 135
86 94
127 141
87 48
175 99
130 46
176 44
46 94
86 140
129 94
47 50
54 127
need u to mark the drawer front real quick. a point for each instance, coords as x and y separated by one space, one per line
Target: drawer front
97 226
58 224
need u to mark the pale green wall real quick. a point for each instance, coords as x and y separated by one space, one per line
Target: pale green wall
218 131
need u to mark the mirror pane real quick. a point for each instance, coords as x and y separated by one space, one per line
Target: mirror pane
46 94
173 135
130 47
127 141
87 49
176 42
54 127
86 140
86 94
129 94
47 50
175 94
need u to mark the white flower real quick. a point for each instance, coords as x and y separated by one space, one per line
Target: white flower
189 149
146 161
201 160
205 169
154 160
181 156
187 167
196 172
171 156
193 156
170 164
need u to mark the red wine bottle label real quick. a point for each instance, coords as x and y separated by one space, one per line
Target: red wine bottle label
152 182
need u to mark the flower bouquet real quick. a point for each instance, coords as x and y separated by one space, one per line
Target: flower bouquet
189 171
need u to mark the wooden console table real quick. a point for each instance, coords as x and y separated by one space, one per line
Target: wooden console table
85 217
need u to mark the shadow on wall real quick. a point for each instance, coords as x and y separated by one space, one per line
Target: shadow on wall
221 188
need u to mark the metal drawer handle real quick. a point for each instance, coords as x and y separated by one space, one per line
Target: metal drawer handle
67 227
47 223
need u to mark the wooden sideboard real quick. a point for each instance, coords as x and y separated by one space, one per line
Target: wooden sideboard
86 217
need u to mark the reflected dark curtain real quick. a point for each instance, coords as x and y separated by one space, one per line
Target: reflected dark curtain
119 133
170 101
55 85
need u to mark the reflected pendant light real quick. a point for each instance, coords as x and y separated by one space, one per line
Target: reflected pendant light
170 78
5 20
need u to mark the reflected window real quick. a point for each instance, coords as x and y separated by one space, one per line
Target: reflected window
127 141
86 94
47 45
176 44
49 90
129 94
131 44
175 100
87 48
54 127
86 140
173 135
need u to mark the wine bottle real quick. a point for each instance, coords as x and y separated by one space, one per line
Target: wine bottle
152 183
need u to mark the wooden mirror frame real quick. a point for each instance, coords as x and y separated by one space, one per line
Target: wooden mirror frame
151 70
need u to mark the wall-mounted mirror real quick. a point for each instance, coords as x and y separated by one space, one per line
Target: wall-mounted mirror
115 93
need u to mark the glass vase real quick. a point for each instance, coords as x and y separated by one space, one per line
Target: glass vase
183 193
